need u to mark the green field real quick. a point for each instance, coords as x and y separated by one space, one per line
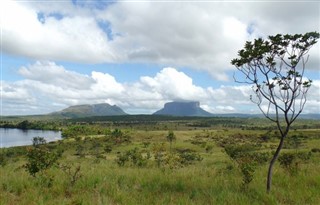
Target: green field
104 161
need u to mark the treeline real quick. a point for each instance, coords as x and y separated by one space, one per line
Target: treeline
35 125
155 122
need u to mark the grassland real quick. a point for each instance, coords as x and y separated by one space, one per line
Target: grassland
87 170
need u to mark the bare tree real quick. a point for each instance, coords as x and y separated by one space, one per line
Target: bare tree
275 68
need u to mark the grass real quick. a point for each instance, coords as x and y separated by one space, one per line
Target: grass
214 180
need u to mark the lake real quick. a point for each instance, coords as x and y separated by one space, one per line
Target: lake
17 137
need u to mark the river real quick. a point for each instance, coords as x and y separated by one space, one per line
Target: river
16 137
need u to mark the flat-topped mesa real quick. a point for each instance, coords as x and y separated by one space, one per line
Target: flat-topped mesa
102 109
187 108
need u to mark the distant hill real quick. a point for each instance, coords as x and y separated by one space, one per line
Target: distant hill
103 109
183 109
241 115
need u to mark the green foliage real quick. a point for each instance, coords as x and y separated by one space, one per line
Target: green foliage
133 156
315 150
275 46
29 123
158 150
275 67
45 180
3 159
146 144
209 148
80 150
39 159
291 161
73 173
188 156
194 182
247 160
171 160
118 137
171 137
107 148
247 170
74 131
36 141
294 142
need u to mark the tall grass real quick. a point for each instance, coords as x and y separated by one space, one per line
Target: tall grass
214 180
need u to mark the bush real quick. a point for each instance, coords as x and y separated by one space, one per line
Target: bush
246 159
158 150
3 159
36 141
209 148
188 156
39 160
247 170
80 151
134 156
291 161
73 173
107 148
118 137
315 150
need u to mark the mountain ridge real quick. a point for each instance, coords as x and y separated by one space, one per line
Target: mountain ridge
183 108
89 110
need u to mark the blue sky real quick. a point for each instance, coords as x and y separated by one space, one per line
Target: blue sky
139 54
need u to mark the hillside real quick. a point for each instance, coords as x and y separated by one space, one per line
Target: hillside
183 109
102 109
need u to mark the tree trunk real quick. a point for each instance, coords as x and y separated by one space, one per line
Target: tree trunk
273 160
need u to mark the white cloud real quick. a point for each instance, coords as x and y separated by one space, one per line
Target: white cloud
198 35
173 85
72 38
36 94
50 73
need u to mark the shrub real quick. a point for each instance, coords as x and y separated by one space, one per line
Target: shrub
107 148
158 150
171 137
145 144
118 137
134 156
3 159
290 161
315 150
188 156
293 142
209 148
39 159
247 170
246 159
171 160
36 141
73 173
80 151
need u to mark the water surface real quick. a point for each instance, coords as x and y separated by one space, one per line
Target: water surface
16 137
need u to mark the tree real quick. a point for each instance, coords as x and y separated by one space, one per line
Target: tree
275 69
171 137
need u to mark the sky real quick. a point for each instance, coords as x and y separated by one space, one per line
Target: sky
139 55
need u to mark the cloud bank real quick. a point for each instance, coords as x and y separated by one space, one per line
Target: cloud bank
49 87
199 35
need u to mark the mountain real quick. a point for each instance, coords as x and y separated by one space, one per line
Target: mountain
183 109
103 109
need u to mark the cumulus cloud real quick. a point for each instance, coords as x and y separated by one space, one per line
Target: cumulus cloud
49 73
173 85
36 94
71 38
203 35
